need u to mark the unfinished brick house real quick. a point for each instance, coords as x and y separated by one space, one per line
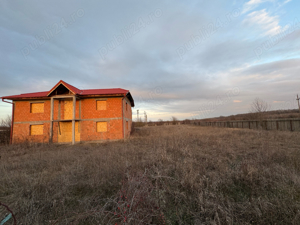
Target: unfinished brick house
66 114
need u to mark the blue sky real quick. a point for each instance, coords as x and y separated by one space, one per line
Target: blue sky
191 59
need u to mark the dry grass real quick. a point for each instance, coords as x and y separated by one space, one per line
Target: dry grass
4 136
162 175
269 115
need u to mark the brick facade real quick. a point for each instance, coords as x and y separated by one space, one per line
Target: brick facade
113 115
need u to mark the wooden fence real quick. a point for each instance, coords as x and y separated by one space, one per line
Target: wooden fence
279 124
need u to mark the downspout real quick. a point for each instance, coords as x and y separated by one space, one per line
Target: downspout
12 119
123 117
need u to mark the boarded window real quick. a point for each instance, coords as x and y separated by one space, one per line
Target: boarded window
37 107
101 105
101 126
36 129
68 110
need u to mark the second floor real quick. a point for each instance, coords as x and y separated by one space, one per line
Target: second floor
88 108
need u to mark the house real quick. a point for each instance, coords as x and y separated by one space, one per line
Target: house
66 114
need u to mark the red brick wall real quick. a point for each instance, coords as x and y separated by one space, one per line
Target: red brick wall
89 110
89 131
89 115
21 133
22 112
127 117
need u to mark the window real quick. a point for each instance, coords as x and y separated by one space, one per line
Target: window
36 129
127 125
101 126
37 107
126 106
101 105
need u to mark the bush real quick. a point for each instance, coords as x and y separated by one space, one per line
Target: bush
4 137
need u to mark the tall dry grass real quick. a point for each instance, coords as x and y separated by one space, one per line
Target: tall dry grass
161 175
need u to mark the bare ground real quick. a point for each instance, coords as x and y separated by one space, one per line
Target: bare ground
161 175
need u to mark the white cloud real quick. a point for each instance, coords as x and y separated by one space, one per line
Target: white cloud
280 4
262 19
286 1
252 4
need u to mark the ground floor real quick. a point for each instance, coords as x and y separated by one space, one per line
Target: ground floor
62 131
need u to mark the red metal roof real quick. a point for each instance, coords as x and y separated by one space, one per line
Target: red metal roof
103 91
76 91
27 95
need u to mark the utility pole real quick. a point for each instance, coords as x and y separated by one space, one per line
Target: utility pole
298 99
137 114
145 116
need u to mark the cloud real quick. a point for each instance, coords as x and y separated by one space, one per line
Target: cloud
263 21
283 3
252 4
237 101
147 63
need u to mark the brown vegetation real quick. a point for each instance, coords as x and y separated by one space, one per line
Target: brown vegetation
161 175
5 125
275 114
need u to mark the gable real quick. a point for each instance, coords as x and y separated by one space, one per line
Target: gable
60 90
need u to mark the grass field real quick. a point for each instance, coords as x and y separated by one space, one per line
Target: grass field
161 175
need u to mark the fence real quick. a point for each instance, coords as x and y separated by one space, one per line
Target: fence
279 124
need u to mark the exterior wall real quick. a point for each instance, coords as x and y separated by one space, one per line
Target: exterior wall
89 110
21 133
89 130
86 112
22 112
90 116
127 117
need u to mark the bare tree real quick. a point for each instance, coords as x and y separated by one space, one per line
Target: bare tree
258 108
5 125
160 122
174 120
6 122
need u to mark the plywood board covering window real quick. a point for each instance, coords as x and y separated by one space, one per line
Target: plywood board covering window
101 126
68 110
36 129
101 105
37 107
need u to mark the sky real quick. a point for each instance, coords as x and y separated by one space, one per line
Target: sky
188 59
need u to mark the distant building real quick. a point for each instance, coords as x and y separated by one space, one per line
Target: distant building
66 114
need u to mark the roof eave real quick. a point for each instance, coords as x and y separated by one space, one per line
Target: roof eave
129 96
